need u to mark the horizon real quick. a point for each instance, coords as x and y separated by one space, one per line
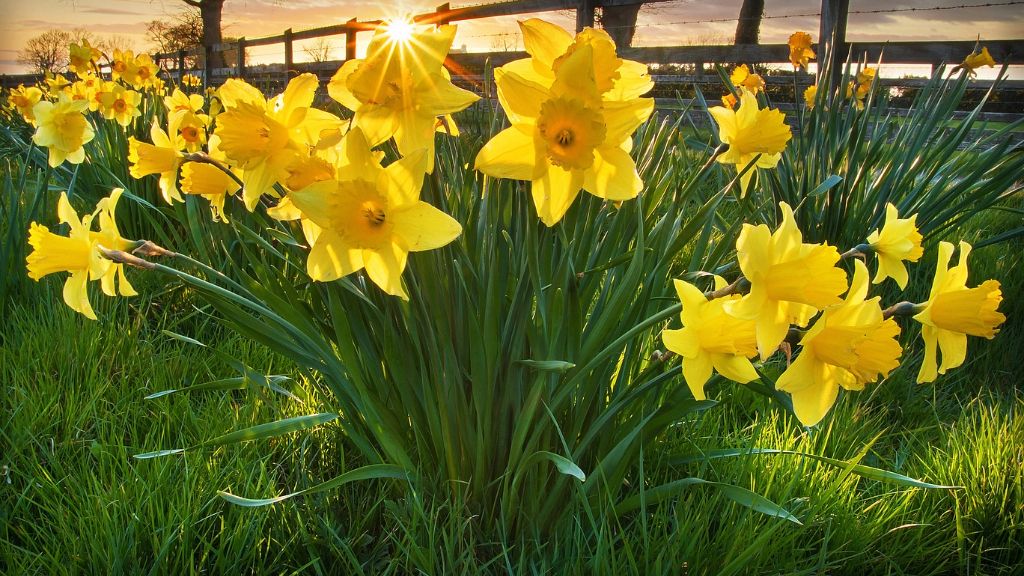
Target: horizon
678 22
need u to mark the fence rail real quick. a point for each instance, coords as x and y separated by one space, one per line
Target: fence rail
467 67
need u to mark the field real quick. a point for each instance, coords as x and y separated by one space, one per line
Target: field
528 352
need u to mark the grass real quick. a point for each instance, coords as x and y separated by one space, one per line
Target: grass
73 500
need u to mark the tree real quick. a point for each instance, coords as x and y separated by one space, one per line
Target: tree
184 31
319 51
210 12
748 27
47 52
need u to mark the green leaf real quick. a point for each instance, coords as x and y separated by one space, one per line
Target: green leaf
859 469
737 494
547 365
271 429
827 185
158 453
564 465
370 472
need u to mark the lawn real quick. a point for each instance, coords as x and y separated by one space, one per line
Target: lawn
74 500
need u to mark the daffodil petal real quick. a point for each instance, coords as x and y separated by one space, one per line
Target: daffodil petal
423 227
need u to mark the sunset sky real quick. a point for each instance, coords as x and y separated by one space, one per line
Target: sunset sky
666 23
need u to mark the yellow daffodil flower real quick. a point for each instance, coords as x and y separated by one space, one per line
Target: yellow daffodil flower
711 339
976 60
564 138
741 77
121 105
953 312
162 157
862 87
83 58
209 181
140 72
810 94
372 217
401 88
23 99
729 101
751 133
898 240
191 80
61 127
550 47
264 137
789 280
800 49
110 238
119 64
179 101
55 84
850 345
75 253
191 130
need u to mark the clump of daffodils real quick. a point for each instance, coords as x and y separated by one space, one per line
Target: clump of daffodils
573 106
794 301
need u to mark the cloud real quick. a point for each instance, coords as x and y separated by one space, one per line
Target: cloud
114 12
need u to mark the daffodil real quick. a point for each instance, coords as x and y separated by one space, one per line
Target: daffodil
55 84
264 137
162 156
729 101
209 181
862 87
372 217
742 77
810 95
850 345
800 49
976 60
550 48
401 88
109 237
61 127
751 133
191 80
954 311
711 339
179 101
140 72
565 138
121 105
76 253
83 58
119 64
898 240
191 130
789 280
23 99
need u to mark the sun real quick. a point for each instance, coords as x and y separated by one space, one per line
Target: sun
399 30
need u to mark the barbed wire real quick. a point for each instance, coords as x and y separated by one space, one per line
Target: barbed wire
783 16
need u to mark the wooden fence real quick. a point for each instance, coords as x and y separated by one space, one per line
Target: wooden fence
468 68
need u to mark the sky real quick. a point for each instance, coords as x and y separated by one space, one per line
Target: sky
663 24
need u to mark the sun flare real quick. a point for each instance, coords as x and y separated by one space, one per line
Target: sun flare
399 30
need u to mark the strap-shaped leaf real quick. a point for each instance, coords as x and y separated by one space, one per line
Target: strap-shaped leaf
563 464
370 472
737 494
868 472
258 432
548 365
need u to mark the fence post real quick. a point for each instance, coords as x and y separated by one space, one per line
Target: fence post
833 34
288 56
241 57
441 19
584 14
350 40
